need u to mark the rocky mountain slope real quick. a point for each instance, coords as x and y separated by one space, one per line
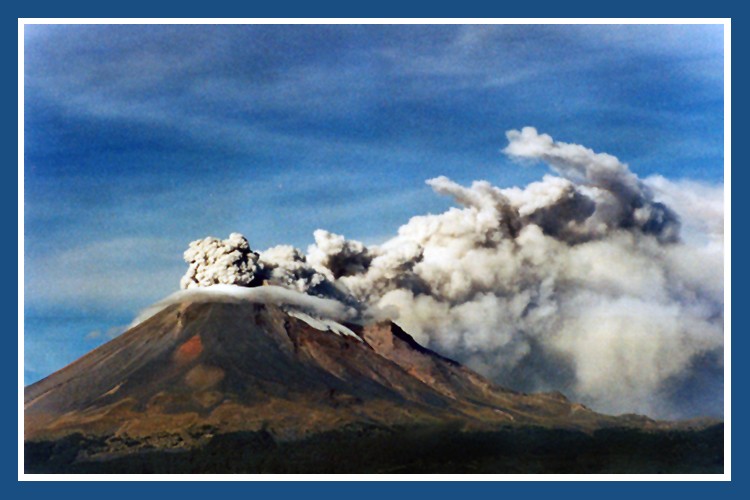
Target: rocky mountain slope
197 371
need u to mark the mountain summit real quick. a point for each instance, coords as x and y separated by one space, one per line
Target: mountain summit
237 366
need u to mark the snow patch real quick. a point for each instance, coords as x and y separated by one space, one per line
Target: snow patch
324 325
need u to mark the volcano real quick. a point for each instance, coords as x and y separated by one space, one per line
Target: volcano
217 386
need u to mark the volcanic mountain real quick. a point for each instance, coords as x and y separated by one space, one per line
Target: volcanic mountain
261 383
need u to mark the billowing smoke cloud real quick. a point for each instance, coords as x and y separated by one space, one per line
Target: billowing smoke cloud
338 257
212 261
620 199
701 207
581 282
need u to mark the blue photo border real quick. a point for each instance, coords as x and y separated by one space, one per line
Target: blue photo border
12 488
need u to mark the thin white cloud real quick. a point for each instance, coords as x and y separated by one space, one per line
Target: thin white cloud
275 295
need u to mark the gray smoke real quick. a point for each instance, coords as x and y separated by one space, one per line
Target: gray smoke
580 282
212 261
620 199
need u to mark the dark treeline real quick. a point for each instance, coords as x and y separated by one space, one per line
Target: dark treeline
364 449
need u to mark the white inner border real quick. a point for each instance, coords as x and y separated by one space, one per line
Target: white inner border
726 476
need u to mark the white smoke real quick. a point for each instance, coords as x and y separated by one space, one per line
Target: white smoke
701 207
276 295
581 282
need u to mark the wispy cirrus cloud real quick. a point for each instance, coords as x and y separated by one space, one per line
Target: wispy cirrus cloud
141 138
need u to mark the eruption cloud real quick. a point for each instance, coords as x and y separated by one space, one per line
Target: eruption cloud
213 261
582 282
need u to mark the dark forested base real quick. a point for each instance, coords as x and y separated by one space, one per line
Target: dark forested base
405 450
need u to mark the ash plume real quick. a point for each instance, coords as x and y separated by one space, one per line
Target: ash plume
582 282
212 261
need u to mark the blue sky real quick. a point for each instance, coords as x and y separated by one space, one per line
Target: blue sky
140 139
